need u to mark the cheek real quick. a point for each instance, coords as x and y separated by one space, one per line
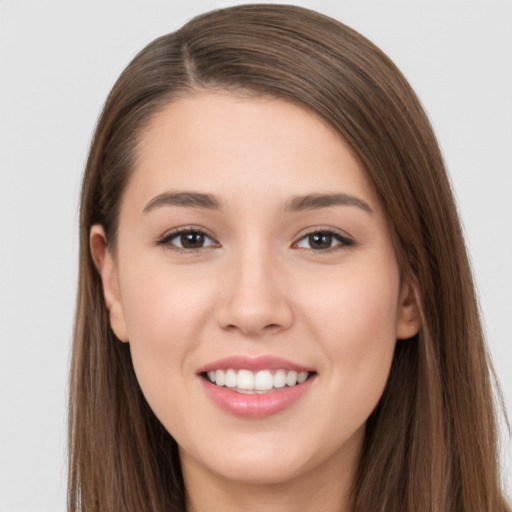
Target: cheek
162 302
354 319
164 313
355 306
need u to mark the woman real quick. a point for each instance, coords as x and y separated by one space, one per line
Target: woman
275 308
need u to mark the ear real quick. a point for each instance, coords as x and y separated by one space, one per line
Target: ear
107 268
408 314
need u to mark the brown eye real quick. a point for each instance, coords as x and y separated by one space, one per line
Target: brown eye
323 241
192 240
186 240
320 241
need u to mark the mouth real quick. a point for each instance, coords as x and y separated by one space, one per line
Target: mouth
255 387
260 382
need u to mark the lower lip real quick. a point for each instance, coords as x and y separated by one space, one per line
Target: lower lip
257 405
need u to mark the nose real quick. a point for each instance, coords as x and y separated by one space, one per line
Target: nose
254 301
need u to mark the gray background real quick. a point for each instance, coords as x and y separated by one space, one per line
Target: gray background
58 60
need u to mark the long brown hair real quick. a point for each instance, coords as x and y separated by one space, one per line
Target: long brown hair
430 444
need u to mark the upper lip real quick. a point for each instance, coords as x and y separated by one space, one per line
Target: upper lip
244 362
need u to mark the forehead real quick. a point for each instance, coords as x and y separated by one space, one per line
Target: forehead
244 148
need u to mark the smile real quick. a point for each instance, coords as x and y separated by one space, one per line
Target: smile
255 387
249 382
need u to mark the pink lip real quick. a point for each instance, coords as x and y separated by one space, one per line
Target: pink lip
254 405
254 364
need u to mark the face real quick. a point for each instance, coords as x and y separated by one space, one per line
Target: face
256 283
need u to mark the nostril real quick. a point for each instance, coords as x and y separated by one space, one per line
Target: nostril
251 313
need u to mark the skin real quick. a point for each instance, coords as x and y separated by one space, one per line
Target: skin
257 287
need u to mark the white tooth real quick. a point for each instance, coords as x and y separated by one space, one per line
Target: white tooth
245 379
211 376
230 380
302 377
219 377
291 378
263 381
280 379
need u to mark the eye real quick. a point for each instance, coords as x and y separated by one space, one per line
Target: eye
323 240
187 240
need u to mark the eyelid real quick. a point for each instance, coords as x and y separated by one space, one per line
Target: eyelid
175 232
345 240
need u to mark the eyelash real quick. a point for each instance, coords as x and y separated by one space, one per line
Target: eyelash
166 240
342 239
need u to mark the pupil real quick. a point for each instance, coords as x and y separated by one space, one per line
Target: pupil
320 241
192 240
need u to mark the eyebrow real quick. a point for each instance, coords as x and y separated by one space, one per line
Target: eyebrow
186 199
317 201
295 204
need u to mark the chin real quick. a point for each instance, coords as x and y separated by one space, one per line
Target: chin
253 469
273 460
